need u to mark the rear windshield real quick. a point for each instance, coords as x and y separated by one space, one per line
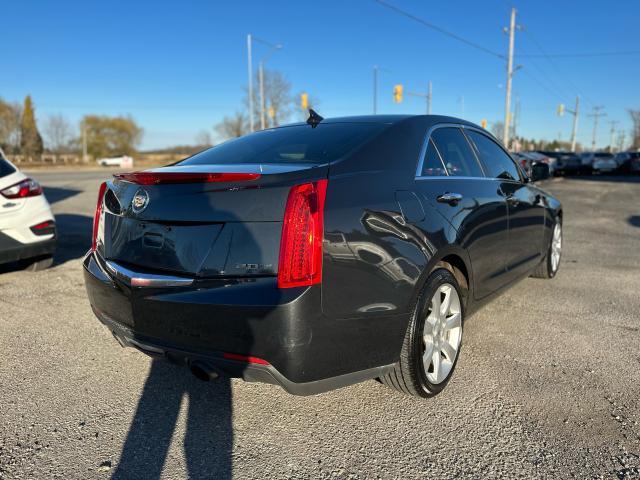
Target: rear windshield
295 144
5 167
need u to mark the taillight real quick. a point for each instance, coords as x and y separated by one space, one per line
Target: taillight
44 228
26 188
157 178
300 261
97 216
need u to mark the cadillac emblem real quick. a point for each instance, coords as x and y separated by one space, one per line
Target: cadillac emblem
140 201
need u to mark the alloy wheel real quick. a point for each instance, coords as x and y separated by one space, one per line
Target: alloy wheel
556 247
442 334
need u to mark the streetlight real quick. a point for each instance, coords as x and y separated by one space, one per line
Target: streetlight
272 49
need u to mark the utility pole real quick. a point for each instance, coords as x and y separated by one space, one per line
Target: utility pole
426 96
507 101
574 130
84 142
621 135
250 83
261 80
613 132
597 113
375 89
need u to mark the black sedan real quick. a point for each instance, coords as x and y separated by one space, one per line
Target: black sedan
317 255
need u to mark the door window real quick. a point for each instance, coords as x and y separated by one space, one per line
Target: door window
432 165
456 153
496 162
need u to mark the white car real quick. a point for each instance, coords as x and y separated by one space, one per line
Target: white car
123 161
27 226
601 162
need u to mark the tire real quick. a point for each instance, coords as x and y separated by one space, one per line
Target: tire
549 266
410 375
38 264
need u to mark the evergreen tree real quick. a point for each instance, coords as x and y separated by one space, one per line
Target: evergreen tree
30 139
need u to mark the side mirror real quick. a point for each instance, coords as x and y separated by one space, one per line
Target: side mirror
539 171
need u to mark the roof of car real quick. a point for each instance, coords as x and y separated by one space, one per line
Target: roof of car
391 119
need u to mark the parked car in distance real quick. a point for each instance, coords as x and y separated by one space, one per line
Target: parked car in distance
628 162
27 226
600 162
122 161
529 158
314 256
566 163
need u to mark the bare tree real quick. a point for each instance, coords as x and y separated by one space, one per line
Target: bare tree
277 98
497 129
234 126
57 132
10 115
635 133
203 138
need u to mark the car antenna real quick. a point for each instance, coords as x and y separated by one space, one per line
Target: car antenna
314 119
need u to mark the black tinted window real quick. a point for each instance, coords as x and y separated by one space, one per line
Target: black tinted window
5 167
432 165
295 144
496 162
456 153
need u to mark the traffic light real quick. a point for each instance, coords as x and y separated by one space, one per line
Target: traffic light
560 110
397 93
271 112
483 123
304 101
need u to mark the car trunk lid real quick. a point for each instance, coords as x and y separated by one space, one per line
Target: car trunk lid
204 221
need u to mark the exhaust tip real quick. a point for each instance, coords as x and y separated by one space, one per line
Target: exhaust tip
203 371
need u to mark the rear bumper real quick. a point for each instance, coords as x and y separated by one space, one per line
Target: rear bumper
307 353
11 250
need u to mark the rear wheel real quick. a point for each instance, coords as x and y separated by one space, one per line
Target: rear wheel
549 266
433 339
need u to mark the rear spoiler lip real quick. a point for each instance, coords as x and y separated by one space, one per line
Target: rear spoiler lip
158 178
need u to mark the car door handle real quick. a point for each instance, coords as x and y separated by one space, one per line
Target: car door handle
450 198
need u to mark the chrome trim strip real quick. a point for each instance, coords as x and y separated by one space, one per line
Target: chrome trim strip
147 280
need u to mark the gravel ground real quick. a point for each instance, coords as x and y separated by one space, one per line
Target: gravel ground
548 384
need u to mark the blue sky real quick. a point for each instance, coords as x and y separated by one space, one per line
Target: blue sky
179 67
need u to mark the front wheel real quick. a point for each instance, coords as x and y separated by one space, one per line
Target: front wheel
549 266
433 339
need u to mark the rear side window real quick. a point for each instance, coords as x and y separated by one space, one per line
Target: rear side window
496 162
432 166
456 153
294 144
5 167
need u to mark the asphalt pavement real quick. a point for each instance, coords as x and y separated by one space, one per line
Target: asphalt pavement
548 383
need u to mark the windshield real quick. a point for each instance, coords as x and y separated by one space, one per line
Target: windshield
604 155
295 144
5 167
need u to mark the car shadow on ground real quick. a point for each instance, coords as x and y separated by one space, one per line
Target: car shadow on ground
634 220
57 194
208 436
74 237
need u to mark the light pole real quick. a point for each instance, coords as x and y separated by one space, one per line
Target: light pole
376 69
272 50
250 67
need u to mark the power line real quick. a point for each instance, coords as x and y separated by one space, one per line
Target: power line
555 66
439 29
581 54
